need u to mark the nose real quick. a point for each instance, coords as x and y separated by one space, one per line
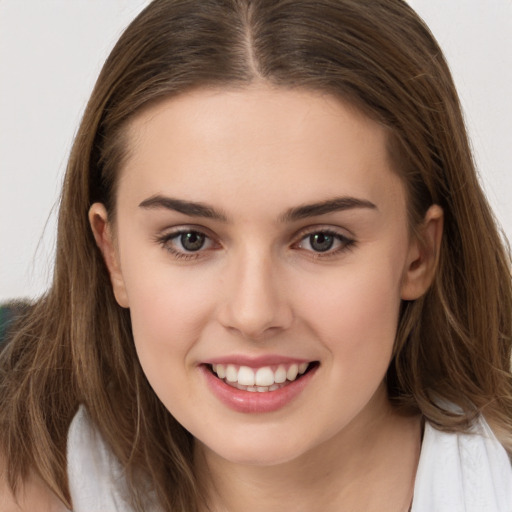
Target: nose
256 303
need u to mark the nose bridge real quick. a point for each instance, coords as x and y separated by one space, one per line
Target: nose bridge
256 303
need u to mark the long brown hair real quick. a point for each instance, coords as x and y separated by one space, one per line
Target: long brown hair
75 345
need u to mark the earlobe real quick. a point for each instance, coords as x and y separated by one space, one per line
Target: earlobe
102 231
423 255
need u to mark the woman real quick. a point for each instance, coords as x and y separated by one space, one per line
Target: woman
276 271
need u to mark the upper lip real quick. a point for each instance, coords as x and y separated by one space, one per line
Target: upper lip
256 362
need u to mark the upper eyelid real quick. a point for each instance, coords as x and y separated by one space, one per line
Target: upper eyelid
165 235
335 230
343 239
174 231
164 239
347 243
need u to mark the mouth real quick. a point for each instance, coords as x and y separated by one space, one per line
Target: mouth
265 379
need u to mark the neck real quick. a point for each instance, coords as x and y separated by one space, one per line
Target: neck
369 466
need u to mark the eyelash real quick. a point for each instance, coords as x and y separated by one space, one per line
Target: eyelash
345 243
165 242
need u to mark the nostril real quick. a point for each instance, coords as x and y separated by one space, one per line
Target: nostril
254 309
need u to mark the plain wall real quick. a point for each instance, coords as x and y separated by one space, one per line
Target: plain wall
52 51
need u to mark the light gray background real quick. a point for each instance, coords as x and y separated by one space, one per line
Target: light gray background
52 51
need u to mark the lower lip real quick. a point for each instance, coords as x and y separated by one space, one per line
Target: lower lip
256 402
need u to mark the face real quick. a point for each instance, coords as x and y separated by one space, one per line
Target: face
261 245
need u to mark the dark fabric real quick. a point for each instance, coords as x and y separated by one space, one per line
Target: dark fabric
6 317
8 314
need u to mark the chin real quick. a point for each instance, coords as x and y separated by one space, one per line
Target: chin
256 450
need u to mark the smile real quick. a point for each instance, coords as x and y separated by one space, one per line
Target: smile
264 379
258 389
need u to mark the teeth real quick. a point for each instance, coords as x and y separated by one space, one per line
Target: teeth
292 372
231 373
245 376
220 370
259 380
264 376
280 375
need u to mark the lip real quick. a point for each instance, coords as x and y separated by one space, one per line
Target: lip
255 402
256 362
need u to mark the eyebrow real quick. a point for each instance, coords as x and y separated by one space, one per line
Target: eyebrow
329 206
196 209
191 208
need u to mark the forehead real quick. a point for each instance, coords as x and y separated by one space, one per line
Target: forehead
279 146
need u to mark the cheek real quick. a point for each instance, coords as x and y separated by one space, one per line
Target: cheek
356 312
168 316
169 310
356 321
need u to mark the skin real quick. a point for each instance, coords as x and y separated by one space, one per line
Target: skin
32 495
258 287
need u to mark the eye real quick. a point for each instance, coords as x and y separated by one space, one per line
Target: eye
321 242
186 243
325 241
192 240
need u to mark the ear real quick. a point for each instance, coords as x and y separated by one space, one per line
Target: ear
102 230
423 255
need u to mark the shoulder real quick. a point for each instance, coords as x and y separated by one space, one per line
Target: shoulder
469 472
33 495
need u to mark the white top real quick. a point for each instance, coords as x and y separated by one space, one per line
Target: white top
463 473
456 472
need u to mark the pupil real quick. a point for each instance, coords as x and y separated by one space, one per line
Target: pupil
321 242
192 241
